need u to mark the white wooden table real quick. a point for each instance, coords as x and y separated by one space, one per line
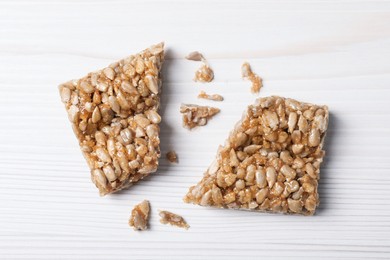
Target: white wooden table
330 52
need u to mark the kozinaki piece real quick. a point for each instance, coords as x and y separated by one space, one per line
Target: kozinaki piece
270 162
114 115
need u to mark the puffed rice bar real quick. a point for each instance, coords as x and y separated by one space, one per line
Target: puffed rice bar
114 115
270 162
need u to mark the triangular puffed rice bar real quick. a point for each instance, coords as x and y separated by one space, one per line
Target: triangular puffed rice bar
114 114
270 162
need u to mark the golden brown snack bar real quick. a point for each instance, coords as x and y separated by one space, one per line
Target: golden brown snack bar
114 115
270 162
204 73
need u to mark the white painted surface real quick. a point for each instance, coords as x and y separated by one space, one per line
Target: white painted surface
332 52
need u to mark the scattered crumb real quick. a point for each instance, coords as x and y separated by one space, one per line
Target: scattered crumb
172 157
194 115
247 73
204 74
173 219
195 56
140 216
214 97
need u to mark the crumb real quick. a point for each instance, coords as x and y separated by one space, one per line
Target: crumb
194 115
214 97
247 73
173 219
172 157
204 74
195 56
140 216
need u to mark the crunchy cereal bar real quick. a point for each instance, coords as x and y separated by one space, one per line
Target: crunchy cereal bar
140 216
114 115
270 162
173 219
194 115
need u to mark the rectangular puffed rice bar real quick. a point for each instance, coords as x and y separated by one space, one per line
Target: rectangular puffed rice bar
270 162
114 115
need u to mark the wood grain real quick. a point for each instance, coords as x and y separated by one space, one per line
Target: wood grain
329 52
